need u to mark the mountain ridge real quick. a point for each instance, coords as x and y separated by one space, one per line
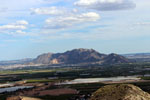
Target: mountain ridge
80 56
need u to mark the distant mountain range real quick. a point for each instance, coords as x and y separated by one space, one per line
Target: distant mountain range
13 62
80 56
138 57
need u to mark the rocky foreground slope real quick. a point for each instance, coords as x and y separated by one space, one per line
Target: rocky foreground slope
22 98
120 92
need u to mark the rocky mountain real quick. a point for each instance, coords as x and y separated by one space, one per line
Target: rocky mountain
79 56
114 58
44 58
120 92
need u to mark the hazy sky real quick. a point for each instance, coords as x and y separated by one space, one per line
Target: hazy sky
31 27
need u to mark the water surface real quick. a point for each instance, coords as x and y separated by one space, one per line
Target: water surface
15 88
94 80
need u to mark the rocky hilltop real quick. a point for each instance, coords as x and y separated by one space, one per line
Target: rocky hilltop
120 92
115 58
79 56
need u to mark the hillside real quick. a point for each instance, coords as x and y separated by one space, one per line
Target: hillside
114 58
80 56
120 92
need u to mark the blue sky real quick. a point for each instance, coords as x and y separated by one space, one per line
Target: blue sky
31 27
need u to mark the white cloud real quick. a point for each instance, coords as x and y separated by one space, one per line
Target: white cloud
17 29
143 23
48 11
22 22
54 10
106 5
23 4
19 25
20 32
12 27
67 21
75 10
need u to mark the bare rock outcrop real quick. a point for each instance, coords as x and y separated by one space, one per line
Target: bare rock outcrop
120 92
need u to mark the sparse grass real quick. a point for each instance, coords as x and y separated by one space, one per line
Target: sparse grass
145 78
11 72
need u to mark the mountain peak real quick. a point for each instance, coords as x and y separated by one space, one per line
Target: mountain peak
113 54
115 58
82 50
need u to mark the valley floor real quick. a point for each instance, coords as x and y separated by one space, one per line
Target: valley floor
47 83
